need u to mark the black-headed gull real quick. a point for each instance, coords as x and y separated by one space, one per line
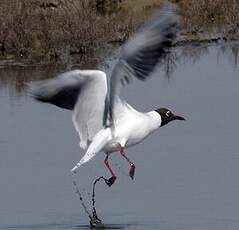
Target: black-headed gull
104 122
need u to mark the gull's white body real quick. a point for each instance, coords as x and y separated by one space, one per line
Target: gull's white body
130 126
132 131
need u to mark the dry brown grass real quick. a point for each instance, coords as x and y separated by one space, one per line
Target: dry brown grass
45 30
210 14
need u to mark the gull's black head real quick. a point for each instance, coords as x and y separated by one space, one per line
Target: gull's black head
167 116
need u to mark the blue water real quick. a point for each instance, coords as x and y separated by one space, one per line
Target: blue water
186 173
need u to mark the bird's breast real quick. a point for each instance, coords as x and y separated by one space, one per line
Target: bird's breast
127 134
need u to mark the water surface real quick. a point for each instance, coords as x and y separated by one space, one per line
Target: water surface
186 173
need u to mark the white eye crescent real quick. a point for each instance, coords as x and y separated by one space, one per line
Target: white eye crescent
168 113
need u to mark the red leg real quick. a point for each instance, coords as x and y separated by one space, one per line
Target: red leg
132 165
111 180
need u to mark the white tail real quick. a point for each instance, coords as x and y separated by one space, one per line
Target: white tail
98 142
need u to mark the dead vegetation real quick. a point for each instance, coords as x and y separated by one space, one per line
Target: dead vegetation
211 16
51 30
45 30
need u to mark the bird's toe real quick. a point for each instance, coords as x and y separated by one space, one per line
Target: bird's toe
132 171
110 181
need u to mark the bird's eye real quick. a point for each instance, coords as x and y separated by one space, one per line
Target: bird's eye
168 113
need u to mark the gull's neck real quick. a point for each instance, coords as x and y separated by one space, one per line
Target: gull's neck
155 119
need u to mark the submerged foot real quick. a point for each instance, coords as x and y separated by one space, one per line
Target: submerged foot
110 181
132 171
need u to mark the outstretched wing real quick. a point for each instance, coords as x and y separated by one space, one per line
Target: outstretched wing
84 92
143 52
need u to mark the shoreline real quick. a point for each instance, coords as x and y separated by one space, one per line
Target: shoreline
56 32
12 61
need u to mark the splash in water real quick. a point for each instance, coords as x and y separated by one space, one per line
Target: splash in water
95 221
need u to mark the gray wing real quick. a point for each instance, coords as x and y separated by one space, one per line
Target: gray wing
84 92
142 53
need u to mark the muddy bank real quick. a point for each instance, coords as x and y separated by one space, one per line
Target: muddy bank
58 31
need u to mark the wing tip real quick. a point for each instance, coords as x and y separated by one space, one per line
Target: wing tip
34 90
168 14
